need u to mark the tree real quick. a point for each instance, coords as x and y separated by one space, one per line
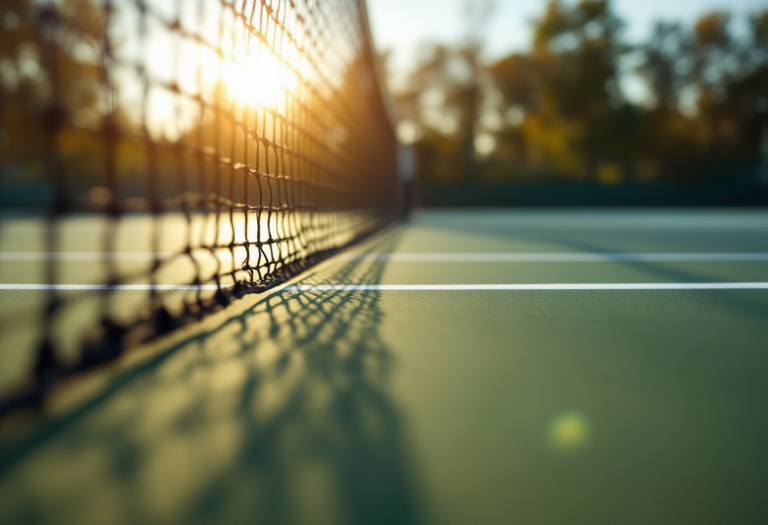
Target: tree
564 115
567 85
664 66
444 97
50 58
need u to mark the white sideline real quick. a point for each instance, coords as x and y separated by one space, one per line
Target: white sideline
99 287
418 257
408 287
553 257
84 256
563 286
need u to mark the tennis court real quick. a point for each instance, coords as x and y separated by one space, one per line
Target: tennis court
215 307
412 379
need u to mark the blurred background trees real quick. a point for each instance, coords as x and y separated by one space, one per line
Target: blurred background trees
581 104
560 111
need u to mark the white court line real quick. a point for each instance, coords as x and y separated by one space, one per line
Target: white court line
99 287
559 286
553 257
420 257
410 287
93 256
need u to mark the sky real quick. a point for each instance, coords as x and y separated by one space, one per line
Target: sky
403 26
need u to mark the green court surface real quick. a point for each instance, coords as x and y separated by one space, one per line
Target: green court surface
547 405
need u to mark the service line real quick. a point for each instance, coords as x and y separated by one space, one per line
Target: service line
523 287
520 257
554 257
405 287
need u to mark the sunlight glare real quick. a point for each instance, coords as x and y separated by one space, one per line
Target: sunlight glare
258 78
569 431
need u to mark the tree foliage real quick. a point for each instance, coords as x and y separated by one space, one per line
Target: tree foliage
560 110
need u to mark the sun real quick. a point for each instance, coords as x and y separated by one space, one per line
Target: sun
258 78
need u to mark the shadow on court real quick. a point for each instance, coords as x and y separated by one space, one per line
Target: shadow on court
278 415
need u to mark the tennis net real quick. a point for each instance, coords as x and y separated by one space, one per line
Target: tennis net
185 153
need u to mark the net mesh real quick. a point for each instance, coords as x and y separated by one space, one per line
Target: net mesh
186 152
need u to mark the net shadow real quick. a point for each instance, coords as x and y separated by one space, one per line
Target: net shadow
278 415
251 139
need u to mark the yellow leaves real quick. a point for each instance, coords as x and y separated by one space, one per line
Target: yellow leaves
681 129
712 28
82 153
647 170
85 15
610 174
555 142
131 159
74 142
